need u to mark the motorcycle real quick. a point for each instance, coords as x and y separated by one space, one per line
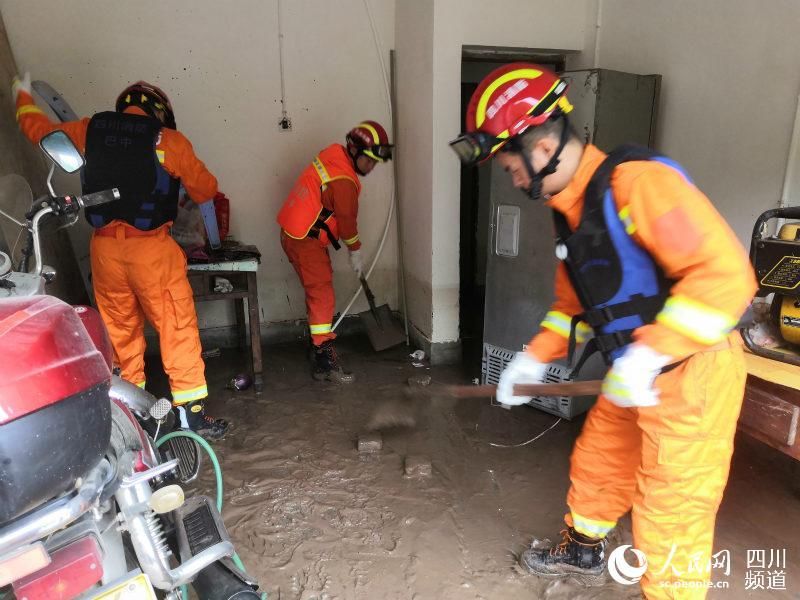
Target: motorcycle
91 466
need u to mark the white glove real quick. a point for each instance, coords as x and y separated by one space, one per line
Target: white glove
21 85
357 262
523 368
629 383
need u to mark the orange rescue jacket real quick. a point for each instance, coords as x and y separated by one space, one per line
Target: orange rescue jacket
303 209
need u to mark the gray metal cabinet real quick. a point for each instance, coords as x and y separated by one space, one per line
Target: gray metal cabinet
612 107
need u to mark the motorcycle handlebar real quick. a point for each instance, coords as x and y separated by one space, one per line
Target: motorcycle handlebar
98 198
63 205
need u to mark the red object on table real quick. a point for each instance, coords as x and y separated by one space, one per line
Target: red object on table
222 206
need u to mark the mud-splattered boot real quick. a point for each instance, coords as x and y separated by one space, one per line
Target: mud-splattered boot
194 418
576 554
326 365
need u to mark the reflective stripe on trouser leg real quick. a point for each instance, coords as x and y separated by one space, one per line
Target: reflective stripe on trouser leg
156 269
320 328
603 469
313 265
687 443
119 307
589 527
184 396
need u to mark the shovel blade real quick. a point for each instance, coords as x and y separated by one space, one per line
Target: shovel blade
383 331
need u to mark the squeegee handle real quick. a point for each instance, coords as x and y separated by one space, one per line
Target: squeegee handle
571 388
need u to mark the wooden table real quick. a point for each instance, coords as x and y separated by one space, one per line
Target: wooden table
242 275
771 409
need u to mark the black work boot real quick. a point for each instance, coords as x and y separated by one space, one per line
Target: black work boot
326 365
194 418
576 554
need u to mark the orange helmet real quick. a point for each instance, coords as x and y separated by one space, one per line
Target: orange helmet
150 99
370 138
508 101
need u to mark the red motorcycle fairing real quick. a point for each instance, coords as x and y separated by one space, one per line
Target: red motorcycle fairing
55 414
97 331
46 355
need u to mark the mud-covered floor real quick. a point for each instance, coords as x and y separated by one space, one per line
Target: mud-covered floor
314 519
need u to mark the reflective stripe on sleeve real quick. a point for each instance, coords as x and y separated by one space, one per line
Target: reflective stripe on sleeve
696 320
561 323
28 109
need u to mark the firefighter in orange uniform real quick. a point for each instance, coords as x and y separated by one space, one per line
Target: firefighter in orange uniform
322 209
138 270
653 272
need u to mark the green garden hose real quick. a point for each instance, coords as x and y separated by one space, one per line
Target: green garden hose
218 474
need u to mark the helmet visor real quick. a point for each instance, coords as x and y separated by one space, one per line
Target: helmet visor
473 148
379 153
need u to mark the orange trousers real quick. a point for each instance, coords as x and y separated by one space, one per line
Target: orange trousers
668 465
144 277
313 265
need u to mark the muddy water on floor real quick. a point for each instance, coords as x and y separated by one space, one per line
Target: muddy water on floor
313 519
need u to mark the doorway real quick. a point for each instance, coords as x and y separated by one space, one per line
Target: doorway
475 201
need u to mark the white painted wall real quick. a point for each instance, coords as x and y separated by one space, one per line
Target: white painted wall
414 31
429 99
731 76
218 62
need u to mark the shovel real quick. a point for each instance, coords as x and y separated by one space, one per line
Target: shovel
401 412
381 327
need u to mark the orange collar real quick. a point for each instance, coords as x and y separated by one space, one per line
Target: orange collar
571 196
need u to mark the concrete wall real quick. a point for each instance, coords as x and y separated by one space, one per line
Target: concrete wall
731 79
429 97
414 31
23 176
218 61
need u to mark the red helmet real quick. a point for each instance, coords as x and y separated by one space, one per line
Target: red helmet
150 99
371 139
508 101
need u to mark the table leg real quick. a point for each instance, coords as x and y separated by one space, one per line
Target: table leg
241 325
255 330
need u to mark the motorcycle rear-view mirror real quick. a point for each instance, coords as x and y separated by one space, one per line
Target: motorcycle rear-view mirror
60 149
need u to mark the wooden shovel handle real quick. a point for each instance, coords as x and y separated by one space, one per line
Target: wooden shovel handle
370 296
571 388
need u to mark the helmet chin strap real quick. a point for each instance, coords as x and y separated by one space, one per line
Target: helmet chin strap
355 164
354 158
535 190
